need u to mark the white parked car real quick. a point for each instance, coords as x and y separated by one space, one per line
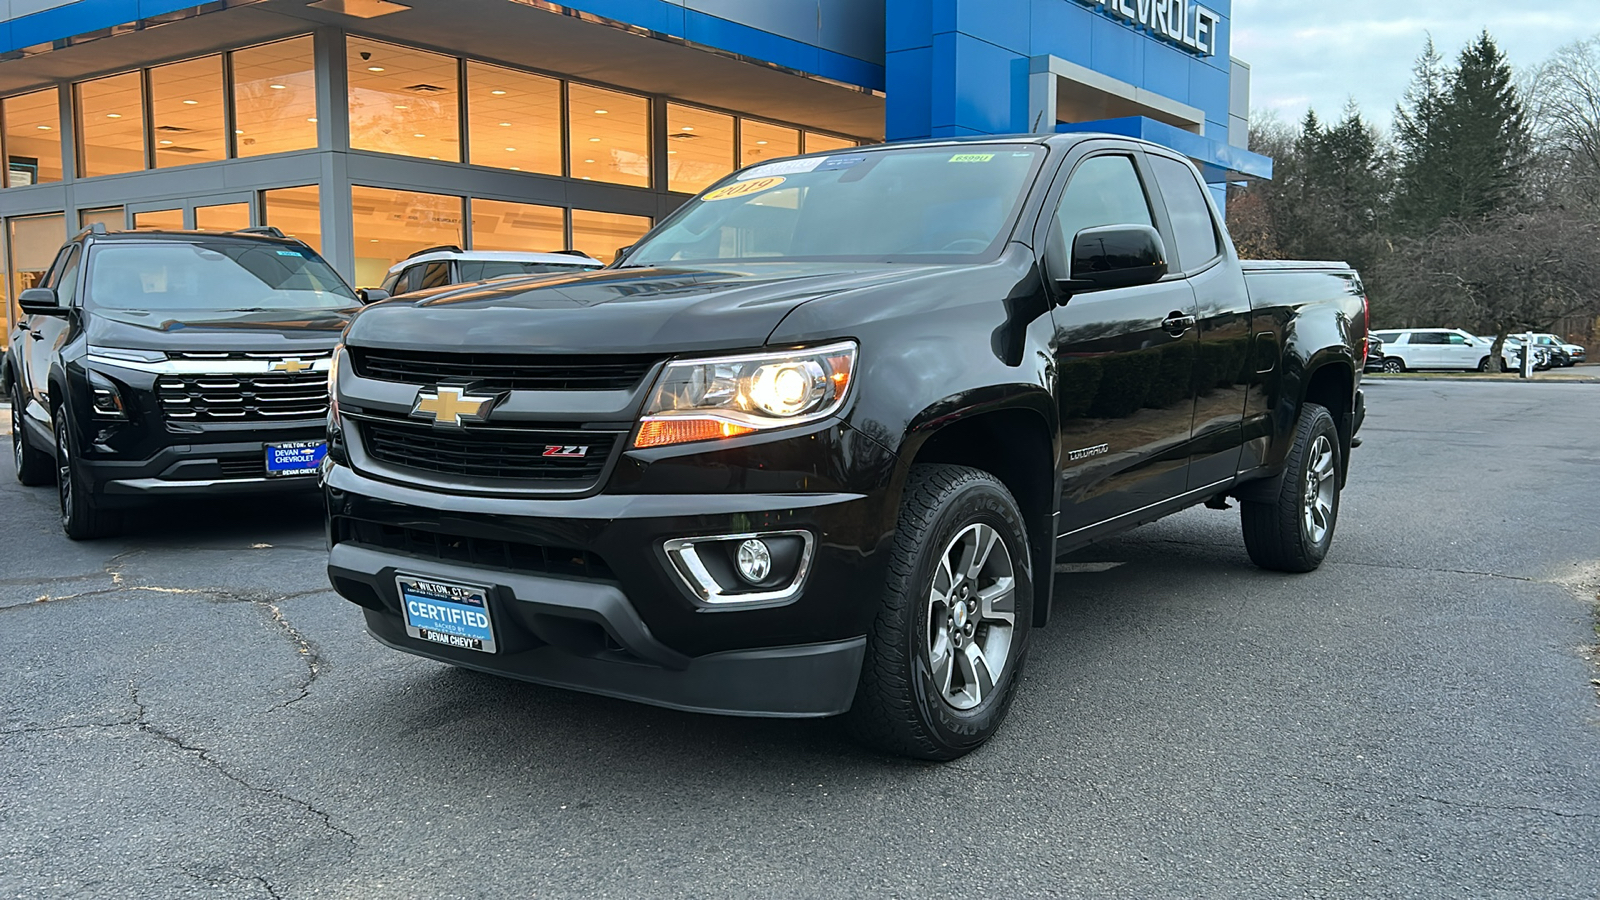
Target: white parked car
440 266
1407 349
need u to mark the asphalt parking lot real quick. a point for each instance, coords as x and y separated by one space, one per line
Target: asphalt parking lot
188 711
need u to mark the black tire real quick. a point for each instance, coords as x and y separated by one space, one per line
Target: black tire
1281 534
32 466
899 707
81 518
1483 364
1394 365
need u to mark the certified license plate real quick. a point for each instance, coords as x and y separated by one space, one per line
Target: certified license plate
297 458
455 615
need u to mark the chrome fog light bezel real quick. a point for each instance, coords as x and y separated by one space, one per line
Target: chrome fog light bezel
692 571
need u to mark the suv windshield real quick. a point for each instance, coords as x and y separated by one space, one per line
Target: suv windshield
952 203
214 275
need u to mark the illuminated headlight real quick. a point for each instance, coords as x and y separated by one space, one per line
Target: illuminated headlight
706 399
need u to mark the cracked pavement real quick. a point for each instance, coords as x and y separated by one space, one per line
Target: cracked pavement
188 711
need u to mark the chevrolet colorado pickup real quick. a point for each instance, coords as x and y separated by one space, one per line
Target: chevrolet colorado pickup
813 445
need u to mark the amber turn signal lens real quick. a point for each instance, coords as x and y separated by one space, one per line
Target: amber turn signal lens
662 432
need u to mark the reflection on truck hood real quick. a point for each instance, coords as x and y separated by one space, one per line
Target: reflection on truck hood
615 310
156 329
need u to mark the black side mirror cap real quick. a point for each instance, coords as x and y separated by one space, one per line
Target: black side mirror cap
1116 256
372 295
40 301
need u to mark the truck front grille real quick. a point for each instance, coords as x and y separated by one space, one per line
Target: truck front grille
244 398
503 371
489 452
514 556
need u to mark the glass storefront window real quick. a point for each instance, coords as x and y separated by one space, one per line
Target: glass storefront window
110 125
186 112
404 101
33 138
610 135
761 142
817 142
222 217
158 220
34 242
601 234
296 211
498 225
513 119
275 98
699 148
391 225
112 217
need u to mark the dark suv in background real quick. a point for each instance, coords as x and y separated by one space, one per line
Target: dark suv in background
150 364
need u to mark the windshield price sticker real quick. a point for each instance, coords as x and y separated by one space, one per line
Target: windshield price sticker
972 157
744 188
787 167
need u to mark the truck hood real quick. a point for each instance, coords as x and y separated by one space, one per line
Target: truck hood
662 310
287 330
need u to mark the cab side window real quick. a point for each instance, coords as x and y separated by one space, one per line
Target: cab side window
1105 190
66 283
1194 230
435 274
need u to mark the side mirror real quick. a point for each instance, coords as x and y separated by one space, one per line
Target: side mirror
40 302
623 251
372 295
1116 256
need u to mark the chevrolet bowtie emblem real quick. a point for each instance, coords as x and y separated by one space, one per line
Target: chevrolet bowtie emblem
452 405
292 366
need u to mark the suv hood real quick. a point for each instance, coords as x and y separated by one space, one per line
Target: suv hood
663 310
288 330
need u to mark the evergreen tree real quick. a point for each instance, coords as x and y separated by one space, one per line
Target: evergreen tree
1419 137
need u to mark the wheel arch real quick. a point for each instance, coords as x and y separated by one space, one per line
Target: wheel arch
1330 382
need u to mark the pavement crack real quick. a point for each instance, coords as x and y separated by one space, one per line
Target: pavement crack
143 723
48 729
1441 571
1508 808
267 886
302 645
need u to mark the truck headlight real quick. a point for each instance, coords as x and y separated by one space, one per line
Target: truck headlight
706 399
105 397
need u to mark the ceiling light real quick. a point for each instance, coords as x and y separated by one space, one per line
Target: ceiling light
586 178
762 143
191 103
375 68
373 241
498 93
238 131
433 157
672 153
401 106
588 160
515 169
601 112
505 124
166 142
44 127
594 140
277 87
419 135
688 128
113 115
312 119
511 149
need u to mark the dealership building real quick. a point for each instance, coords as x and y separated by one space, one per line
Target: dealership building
372 128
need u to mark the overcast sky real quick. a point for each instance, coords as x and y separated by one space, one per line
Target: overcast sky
1320 53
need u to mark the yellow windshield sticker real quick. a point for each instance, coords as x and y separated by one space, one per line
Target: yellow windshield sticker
971 157
744 188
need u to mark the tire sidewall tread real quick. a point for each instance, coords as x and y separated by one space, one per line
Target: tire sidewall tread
1274 533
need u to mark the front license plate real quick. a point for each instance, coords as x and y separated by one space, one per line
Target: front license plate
455 615
297 458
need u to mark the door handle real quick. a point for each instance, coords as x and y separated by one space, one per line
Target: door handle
36 335
1177 324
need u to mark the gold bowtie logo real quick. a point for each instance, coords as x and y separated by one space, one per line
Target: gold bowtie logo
451 406
292 366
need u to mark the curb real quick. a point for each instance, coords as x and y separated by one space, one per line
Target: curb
1543 378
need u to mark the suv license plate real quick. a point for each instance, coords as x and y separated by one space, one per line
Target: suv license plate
455 615
296 458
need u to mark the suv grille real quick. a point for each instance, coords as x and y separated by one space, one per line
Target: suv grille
486 452
504 372
510 555
303 395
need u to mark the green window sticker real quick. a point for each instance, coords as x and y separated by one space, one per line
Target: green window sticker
971 157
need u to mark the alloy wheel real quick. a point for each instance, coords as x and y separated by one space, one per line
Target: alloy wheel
1393 366
1316 508
63 467
971 616
16 437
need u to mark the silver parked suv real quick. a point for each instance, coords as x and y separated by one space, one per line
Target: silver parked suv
442 266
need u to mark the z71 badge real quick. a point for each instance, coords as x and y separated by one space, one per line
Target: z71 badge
555 452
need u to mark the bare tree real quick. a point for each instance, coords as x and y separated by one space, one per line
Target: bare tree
1564 108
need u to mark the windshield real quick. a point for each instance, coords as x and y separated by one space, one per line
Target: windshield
215 275
923 204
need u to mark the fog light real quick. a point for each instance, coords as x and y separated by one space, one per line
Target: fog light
755 561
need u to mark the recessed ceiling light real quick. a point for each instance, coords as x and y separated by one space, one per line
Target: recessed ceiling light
498 93
672 153
113 115
601 112
688 128
762 143
594 140
401 106
277 87
511 149
419 135
312 119
191 103
44 127
515 169
166 142
373 241
587 178
375 68
433 157
588 160
238 131
505 124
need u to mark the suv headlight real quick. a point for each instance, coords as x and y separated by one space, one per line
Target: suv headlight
707 399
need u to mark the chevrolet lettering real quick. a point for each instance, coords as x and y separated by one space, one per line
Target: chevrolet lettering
813 445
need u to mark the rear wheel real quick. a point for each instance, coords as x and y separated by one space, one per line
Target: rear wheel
948 643
1394 365
1293 531
32 466
81 518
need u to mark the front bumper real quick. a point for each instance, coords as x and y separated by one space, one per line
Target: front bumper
583 596
208 469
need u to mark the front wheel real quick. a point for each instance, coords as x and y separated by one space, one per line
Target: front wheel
1393 366
32 466
81 518
947 646
1293 531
